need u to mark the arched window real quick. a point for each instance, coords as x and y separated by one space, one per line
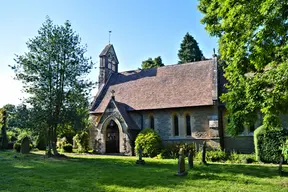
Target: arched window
188 125
176 126
151 122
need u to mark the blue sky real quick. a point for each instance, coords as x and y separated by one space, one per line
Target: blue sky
140 29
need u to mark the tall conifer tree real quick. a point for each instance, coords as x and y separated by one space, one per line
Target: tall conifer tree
189 50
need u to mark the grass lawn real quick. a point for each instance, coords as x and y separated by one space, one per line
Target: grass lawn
33 172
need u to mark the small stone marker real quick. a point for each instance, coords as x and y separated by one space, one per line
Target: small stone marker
190 159
203 161
181 164
25 145
140 161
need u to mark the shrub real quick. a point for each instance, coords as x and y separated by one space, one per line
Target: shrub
81 141
41 142
67 148
61 142
216 156
10 145
11 136
247 158
241 158
150 141
17 146
171 150
267 144
285 150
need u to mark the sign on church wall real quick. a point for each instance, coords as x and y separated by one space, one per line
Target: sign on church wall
213 123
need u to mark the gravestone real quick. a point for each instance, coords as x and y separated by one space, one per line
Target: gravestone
203 160
181 164
140 161
25 145
190 159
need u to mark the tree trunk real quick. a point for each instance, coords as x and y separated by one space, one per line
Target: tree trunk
49 148
54 141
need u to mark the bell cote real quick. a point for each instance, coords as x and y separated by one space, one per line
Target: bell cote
108 63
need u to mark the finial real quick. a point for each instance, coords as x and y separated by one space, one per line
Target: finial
112 94
214 54
109 36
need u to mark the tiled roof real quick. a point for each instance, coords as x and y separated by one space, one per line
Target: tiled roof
105 50
123 111
171 86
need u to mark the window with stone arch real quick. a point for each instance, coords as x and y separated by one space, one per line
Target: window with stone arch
188 124
152 123
176 125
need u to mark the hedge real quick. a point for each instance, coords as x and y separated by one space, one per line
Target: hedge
268 144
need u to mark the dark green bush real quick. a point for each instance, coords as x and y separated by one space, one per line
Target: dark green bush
10 145
17 146
267 144
67 148
40 142
150 141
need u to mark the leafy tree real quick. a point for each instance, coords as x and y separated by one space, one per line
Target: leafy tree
3 124
152 63
53 72
253 40
18 116
189 50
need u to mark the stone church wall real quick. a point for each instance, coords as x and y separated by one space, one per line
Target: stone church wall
163 123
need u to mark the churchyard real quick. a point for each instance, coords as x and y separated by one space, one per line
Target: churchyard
207 123
35 172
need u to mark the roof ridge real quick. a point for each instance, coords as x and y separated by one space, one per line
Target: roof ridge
166 66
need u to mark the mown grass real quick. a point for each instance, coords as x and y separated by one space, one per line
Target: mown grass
34 172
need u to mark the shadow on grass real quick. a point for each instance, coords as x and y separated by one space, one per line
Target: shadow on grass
97 172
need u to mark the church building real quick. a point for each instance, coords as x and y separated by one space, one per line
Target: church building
180 102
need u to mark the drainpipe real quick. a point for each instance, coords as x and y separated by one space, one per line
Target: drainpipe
219 105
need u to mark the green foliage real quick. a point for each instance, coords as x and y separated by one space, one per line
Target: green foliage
267 144
171 150
18 116
12 136
256 58
17 146
54 73
241 158
3 124
285 150
41 142
68 147
216 156
150 142
61 142
152 63
189 51
81 141
21 133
